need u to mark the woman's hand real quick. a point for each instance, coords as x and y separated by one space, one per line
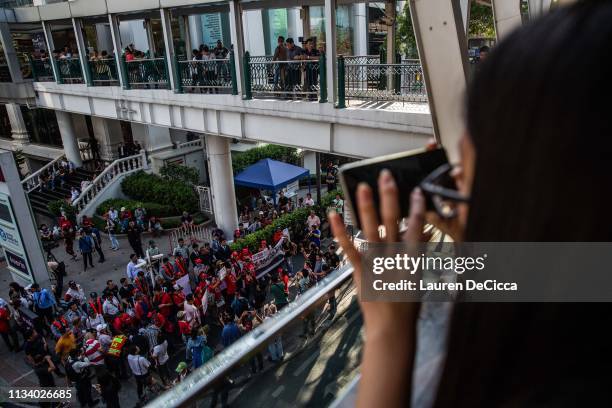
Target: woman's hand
389 326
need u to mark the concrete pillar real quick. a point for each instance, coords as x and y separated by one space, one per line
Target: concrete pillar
9 53
507 16
360 33
69 138
305 15
77 25
195 31
187 35
108 134
237 36
19 132
390 16
465 14
116 38
152 138
331 53
169 47
222 183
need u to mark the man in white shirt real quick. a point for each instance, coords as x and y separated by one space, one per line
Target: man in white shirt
132 268
113 214
160 355
313 219
192 315
110 307
309 202
140 368
75 292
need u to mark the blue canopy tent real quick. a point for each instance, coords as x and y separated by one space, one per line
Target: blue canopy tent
268 174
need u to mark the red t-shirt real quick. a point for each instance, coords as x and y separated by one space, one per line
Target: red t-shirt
165 310
184 327
4 320
230 281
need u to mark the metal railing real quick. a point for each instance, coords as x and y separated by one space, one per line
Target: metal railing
301 79
206 76
69 71
362 59
33 181
151 73
42 70
103 72
401 82
210 377
190 144
116 169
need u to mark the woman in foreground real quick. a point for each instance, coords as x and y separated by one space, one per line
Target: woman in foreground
535 162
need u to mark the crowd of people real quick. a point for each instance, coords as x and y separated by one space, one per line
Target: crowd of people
200 298
291 77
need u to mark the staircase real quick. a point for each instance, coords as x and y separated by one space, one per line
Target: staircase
40 198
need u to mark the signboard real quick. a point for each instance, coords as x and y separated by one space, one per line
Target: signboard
212 30
10 239
183 282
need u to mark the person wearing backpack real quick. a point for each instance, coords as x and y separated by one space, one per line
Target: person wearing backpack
77 371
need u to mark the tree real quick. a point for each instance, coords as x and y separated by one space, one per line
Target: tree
405 42
481 21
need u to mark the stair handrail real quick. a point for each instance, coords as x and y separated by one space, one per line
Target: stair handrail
111 172
32 182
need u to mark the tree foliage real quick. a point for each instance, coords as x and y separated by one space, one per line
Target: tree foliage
240 161
177 172
481 21
405 42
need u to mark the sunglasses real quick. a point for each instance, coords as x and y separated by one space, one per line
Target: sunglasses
439 187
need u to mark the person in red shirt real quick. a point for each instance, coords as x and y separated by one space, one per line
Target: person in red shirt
181 266
9 335
141 308
178 298
278 234
184 327
166 303
284 277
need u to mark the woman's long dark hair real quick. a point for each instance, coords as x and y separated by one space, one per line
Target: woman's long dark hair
539 117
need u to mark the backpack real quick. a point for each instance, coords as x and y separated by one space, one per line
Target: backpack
207 354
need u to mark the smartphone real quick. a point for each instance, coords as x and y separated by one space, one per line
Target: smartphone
408 169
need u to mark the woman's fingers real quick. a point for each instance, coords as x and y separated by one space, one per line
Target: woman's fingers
367 212
389 205
347 246
416 219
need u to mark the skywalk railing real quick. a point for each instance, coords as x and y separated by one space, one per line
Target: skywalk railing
69 70
295 79
211 377
34 180
103 72
42 69
400 82
207 76
149 73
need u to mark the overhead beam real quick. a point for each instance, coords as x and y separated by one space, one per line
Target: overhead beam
507 16
442 47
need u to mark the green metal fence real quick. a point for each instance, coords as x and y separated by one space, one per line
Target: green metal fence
69 70
103 72
149 73
401 82
205 76
42 70
297 79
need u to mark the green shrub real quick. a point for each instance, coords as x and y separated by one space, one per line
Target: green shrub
294 221
242 160
180 173
158 210
56 207
151 188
